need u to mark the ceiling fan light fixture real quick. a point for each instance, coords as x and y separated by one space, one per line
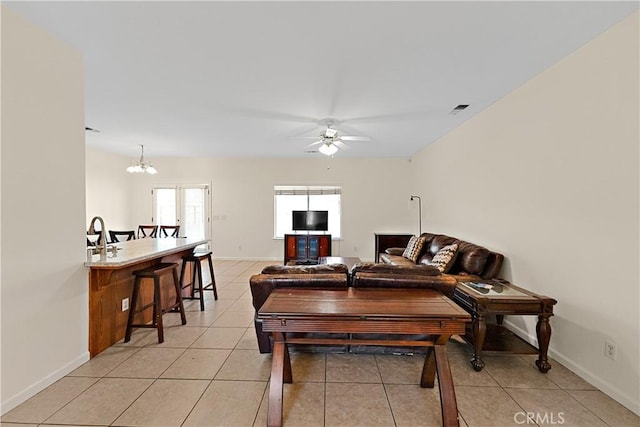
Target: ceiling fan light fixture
142 166
328 149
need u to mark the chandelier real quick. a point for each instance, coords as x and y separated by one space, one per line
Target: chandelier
142 166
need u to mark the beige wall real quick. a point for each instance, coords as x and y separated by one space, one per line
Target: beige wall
242 193
549 177
108 192
44 284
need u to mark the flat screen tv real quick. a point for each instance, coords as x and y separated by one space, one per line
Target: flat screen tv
310 220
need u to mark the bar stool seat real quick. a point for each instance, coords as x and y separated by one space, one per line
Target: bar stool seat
154 272
196 273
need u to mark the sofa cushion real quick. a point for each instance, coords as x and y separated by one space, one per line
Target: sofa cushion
414 247
444 259
472 258
439 241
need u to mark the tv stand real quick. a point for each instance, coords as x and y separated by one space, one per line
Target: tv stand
306 248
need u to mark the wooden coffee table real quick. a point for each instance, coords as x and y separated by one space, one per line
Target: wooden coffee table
363 311
501 299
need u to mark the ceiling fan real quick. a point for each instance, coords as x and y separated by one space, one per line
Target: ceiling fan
330 140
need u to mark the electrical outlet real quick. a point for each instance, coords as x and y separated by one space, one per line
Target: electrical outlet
610 350
125 304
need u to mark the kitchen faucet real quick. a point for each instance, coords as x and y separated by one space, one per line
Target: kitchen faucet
103 235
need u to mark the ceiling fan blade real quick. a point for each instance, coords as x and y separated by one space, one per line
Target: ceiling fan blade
314 143
355 138
340 144
304 137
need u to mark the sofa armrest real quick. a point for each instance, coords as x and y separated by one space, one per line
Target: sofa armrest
410 269
394 251
306 269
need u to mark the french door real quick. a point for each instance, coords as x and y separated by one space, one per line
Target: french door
186 206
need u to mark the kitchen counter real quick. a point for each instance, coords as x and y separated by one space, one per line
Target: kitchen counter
111 283
135 251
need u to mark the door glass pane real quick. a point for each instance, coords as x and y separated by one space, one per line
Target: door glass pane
165 206
313 249
194 216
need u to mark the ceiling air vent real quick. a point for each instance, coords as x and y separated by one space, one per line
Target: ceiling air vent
459 108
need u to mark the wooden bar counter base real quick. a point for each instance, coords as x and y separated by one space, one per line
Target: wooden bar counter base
111 281
363 311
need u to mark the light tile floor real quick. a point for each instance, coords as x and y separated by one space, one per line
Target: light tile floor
210 373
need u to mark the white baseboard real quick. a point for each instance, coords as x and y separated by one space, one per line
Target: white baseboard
40 385
225 258
597 381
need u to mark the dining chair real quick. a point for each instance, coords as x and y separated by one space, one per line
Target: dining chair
169 230
94 239
147 231
121 236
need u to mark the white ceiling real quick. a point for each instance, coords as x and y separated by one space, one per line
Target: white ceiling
243 78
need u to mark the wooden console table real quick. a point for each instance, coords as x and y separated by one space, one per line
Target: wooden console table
306 248
363 311
504 298
387 240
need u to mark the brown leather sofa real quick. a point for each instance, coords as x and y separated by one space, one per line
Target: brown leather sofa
472 262
338 277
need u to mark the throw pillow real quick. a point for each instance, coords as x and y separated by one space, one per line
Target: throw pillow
412 251
445 257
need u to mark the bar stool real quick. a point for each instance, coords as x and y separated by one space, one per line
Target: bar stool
154 272
196 258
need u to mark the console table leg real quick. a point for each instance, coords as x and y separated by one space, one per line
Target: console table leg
274 412
479 333
448 402
543 331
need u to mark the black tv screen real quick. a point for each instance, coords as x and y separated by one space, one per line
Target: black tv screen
310 220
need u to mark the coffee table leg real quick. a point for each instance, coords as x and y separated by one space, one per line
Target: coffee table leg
445 382
479 333
543 331
274 413
429 368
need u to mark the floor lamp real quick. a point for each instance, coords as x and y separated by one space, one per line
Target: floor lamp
419 212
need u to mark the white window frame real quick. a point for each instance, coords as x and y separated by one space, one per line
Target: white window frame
304 190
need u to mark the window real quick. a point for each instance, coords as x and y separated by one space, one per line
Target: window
299 198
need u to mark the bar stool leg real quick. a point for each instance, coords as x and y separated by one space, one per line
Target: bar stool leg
194 274
157 309
176 283
213 279
132 309
182 271
198 265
